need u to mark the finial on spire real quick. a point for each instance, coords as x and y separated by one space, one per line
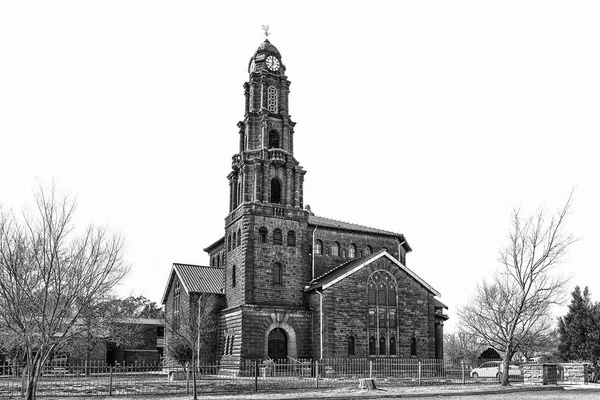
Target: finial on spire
266 29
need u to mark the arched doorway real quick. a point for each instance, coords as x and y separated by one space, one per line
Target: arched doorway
278 341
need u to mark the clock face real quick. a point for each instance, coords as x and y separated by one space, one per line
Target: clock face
272 63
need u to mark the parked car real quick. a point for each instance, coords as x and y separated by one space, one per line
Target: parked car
494 369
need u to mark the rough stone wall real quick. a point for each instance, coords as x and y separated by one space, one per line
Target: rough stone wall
573 373
345 312
325 261
540 374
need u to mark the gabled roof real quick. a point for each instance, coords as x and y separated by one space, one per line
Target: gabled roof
196 279
337 274
332 223
215 244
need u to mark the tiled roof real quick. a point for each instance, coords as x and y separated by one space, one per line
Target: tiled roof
332 223
215 244
196 279
336 274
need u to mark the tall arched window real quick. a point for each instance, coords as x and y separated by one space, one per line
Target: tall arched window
368 250
273 140
335 249
234 240
351 351
218 260
262 233
277 236
229 243
352 251
381 299
382 346
239 237
233 277
176 305
392 346
275 191
291 239
277 274
413 347
272 99
318 247
372 347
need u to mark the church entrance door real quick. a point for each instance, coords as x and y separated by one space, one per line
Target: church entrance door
278 344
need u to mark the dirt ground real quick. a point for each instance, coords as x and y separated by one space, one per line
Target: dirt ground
575 392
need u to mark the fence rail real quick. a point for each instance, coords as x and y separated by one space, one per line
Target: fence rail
100 379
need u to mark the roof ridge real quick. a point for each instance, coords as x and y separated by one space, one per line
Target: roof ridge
197 265
357 225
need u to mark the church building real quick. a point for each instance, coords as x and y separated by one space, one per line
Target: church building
288 283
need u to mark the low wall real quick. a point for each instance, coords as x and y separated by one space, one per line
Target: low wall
540 374
573 373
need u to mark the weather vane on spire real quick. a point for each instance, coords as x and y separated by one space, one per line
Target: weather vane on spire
266 29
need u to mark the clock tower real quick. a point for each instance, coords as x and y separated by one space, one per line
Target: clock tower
267 245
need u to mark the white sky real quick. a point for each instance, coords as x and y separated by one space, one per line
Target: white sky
432 119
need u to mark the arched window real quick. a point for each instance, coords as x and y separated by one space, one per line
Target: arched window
372 320
335 249
291 239
352 251
368 250
218 260
413 347
277 274
392 346
239 237
233 276
273 140
262 233
351 345
372 349
371 294
176 305
381 294
382 346
251 99
272 99
275 191
277 237
391 295
229 243
318 247
234 241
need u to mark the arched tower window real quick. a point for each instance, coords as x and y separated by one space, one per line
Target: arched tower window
218 260
352 251
233 277
277 236
176 305
382 346
272 99
351 351
262 233
234 240
275 191
277 274
229 243
239 237
368 250
291 239
335 249
413 346
318 247
273 140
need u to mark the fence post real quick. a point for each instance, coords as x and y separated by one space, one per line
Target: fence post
419 373
110 381
317 374
371 369
256 375
462 366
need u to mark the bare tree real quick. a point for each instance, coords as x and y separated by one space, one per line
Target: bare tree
462 345
513 309
49 274
192 334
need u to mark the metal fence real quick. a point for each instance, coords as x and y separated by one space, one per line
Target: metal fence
100 379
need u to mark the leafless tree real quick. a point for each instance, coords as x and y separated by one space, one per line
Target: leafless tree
513 309
191 335
462 345
49 274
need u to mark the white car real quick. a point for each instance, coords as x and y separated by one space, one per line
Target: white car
493 369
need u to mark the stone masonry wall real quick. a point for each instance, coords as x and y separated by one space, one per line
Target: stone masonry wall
325 261
345 312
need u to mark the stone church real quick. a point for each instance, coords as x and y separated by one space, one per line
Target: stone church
289 283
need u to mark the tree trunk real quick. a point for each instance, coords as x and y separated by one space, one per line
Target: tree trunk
33 376
505 365
194 377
